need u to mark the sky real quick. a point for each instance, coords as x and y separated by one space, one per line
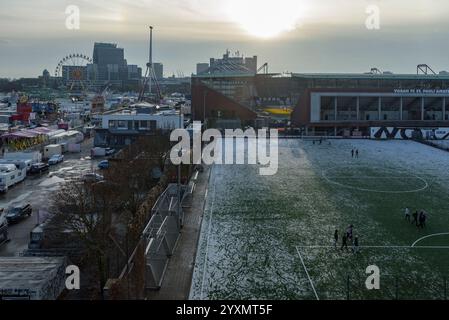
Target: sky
291 35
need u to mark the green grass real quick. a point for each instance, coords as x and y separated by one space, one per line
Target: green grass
254 226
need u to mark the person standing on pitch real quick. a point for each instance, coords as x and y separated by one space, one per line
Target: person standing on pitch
355 245
350 232
352 153
335 238
344 243
415 218
357 153
407 214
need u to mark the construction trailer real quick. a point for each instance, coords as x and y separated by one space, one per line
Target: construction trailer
32 278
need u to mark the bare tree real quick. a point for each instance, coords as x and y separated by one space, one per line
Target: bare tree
86 212
108 217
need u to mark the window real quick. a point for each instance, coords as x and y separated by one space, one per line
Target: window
433 109
328 108
369 108
121 124
143 125
13 177
391 108
346 108
411 109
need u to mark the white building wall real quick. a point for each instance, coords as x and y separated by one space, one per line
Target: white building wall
170 121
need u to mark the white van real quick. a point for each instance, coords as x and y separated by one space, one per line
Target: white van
51 150
11 174
28 163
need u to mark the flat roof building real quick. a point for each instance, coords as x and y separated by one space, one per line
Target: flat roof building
122 128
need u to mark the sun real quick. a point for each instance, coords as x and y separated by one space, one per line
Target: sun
265 18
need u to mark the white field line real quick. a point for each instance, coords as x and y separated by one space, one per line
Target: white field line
307 272
379 247
429 236
372 178
207 244
325 174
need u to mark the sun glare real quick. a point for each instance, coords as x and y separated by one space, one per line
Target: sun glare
265 18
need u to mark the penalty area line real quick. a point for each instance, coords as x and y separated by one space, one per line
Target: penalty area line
307 273
429 236
379 247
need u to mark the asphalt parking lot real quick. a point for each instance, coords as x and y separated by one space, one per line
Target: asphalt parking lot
37 190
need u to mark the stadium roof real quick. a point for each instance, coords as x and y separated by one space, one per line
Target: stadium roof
383 76
349 76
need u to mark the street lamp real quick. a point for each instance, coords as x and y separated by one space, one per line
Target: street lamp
179 170
204 107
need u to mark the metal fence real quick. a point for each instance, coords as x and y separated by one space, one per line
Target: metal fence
162 233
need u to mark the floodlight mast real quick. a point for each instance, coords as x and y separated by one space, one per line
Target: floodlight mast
150 75
150 60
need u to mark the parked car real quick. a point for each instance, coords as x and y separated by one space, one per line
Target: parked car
3 221
92 178
15 214
39 167
103 165
3 228
57 158
110 151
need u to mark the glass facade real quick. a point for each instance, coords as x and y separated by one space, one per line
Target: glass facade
328 108
390 108
382 108
433 109
346 108
412 108
368 109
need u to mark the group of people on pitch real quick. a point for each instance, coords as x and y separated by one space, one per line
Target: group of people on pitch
348 237
419 218
355 153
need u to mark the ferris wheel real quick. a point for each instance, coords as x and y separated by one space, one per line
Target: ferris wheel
72 70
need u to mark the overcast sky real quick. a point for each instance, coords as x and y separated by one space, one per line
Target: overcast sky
291 35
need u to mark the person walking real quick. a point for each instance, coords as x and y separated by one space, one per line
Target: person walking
357 153
352 153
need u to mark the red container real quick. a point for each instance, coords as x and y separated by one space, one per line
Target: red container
24 108
63 126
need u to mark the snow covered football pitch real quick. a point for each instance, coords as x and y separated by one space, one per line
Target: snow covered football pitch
270 237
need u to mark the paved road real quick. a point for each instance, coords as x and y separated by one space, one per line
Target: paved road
36 190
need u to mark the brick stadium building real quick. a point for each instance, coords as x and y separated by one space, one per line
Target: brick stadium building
331 104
